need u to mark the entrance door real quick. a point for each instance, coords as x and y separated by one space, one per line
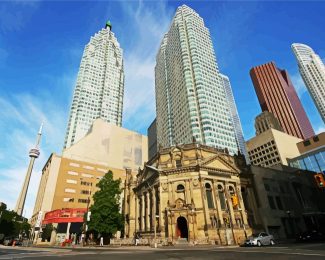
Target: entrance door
182 227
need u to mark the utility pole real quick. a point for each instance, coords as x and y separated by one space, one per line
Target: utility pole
33 154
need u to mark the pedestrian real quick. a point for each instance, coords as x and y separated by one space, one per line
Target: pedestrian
136 237
101 241
83 239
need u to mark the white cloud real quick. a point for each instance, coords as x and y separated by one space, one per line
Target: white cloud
139 60
320 129
21 116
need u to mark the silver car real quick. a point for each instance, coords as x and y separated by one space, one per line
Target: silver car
260 239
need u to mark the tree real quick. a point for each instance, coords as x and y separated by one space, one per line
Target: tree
105 212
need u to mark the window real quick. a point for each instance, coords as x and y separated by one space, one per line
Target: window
279 202
180 190
70 190
306 143
222 197
87 175
72 173
271 202
68 199
82 200
208 191
74 164
178 163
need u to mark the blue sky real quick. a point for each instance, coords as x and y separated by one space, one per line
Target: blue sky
41 43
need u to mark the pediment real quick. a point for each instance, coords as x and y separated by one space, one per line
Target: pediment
219 163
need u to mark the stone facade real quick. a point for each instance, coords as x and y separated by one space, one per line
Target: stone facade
188 193
282 201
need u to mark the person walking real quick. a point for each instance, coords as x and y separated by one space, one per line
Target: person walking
101 241
136 237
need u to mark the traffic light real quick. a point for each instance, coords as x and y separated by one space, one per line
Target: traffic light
320 181
234 200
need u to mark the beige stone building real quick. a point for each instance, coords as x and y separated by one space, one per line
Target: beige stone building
272 147
68 181
282 200
187 193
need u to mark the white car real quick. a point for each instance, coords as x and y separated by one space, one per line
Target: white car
260 239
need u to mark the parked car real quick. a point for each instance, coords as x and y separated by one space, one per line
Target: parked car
260 239
310 236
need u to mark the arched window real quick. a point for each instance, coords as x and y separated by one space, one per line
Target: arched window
231 190
180 190
222 197
208 191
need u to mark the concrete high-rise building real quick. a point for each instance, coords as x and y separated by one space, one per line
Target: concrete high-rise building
312 71
272 147
191 101
276 94
235 117
100 86
33 154
69 181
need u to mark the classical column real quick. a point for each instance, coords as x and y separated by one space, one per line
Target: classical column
230 207
241 205
205 207
153 209
169 193
136 206
187 192
148 211
143 212
217 200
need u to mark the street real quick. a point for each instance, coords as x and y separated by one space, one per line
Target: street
292 251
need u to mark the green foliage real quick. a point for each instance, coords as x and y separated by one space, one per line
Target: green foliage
11 224
47 231
105 212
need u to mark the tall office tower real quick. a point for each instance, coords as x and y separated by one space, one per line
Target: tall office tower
235 118
276 94
100 86
312 71
191 101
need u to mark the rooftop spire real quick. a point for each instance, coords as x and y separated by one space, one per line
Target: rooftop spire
108 24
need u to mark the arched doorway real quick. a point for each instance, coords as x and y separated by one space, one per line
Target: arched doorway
182 227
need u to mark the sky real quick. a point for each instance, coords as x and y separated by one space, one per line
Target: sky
41 44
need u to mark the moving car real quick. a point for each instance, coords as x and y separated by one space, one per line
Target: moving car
310 236
260 239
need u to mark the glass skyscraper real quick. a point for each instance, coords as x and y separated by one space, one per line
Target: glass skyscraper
235 117
312 71
191 101
100 86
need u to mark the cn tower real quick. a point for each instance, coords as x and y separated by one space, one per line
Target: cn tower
33 154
